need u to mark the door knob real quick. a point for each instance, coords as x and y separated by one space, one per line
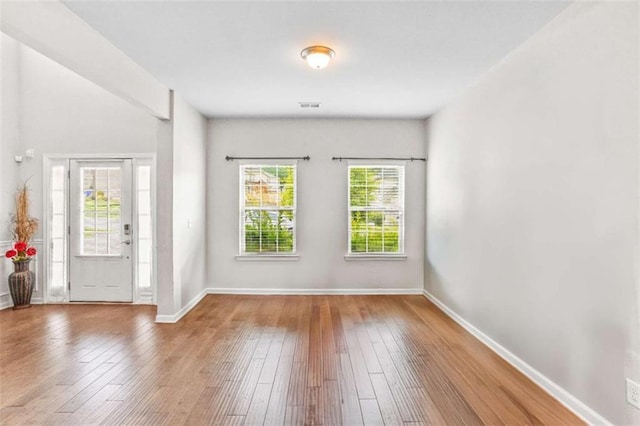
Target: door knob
127 242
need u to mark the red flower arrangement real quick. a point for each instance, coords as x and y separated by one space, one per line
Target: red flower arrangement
21 252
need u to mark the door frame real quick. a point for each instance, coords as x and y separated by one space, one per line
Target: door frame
138 159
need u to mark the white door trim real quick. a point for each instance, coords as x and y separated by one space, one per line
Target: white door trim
138 158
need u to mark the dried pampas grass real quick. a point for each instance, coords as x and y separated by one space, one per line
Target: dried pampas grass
23 226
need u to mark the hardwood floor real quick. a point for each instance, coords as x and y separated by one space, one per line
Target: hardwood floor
253 360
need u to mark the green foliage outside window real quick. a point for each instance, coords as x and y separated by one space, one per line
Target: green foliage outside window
268 231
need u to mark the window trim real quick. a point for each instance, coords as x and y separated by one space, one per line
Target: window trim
376 256
267 256
249 255
400 254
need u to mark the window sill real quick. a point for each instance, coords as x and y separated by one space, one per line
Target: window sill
375 257
263 257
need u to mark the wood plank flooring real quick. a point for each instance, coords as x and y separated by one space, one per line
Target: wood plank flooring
254 360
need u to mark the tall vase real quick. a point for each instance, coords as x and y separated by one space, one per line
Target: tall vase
21 282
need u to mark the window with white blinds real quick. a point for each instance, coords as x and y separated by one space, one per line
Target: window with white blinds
57 229
100 211
376 209
145 229
268 209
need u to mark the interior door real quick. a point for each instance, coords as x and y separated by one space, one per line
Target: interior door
100 233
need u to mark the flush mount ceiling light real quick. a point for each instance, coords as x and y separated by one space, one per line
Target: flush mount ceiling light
317 56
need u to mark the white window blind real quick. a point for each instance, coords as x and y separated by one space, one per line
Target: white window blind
376 209
268 209
101 187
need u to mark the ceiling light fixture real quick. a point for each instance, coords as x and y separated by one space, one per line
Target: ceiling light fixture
317 57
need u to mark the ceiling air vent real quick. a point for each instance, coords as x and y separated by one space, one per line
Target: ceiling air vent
309 104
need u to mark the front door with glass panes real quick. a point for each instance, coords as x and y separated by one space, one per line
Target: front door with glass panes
100 231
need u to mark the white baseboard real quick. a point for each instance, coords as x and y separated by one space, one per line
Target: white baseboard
559 393
170 319
8 303
314 291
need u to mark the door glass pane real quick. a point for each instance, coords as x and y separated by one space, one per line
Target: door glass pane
57 202
144 178
57 226
56 283
100 218
57 250
57 233
145 235
144 226
144 202
57 178
144 275
144 253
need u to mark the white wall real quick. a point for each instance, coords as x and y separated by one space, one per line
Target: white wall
52 29
63 113
9 131
189 209
167 295
9 146
322 202
632 365
532 196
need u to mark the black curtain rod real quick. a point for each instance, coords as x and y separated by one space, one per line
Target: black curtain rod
379 158
230 158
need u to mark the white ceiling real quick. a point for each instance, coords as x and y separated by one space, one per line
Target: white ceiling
242 59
